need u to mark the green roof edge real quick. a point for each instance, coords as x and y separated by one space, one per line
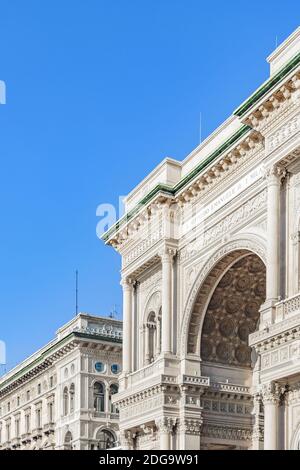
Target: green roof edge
172 191
43 356
267 86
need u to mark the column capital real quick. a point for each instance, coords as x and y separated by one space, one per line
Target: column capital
165 425
275 174
127 283
167 254
271 394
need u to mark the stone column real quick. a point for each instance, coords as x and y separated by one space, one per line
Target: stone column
158 335
271 399
167 265
165 427
127 285
147 345
257 434
274 177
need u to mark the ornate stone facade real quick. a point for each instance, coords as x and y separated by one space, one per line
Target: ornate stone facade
61 397
210 248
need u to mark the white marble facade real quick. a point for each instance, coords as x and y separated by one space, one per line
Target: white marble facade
61 396
210 252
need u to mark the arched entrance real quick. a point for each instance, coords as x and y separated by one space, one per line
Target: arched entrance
105 439
225 312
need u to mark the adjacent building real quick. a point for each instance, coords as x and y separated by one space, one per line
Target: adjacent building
210 253
61 396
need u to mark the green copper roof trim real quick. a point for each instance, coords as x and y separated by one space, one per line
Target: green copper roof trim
173 191
266 87
43 356
35 361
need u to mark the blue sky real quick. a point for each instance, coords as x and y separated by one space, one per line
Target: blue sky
98 93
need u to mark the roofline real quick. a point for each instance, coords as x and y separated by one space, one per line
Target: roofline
172 191
44 354
267 86
239 112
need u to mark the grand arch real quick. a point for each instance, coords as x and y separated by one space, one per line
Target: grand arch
225 311
206 282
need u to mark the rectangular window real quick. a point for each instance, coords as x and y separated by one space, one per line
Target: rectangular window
27 423
38 419
18 427
39 389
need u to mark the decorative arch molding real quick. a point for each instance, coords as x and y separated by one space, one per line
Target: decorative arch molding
152 304
104 428
209 274
295 442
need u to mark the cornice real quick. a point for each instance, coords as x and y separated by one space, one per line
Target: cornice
49 357
203 176
266 87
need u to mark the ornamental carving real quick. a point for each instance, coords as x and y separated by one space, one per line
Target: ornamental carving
190 426
271 393
234 316
227 433
212 270
283 133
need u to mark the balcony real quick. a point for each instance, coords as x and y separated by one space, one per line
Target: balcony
287 316
26 437
16 442
37 433
49 428
105 416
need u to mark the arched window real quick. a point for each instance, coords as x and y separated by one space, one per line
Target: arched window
152 337
68 441
105 439
65 401
113 389
99 397
72 397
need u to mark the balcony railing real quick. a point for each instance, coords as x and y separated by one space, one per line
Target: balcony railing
288 308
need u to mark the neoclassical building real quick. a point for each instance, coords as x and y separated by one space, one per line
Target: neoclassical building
210 253
61 396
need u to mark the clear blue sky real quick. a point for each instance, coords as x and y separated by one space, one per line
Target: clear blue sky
98 92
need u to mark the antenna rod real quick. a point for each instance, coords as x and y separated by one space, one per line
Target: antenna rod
76 294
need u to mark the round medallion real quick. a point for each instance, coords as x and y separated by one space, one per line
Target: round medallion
260 289
216 301
252 309
209 325
226 280
227 328
243 283
256 265
244 332
224 352
233 304
206 349
243 354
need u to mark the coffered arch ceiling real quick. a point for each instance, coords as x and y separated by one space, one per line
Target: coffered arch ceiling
233 313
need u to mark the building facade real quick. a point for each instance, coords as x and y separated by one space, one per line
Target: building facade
61 396
210 253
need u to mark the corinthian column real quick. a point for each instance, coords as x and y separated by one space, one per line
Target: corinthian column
167 265
127 285
271 399
274 177
165 427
